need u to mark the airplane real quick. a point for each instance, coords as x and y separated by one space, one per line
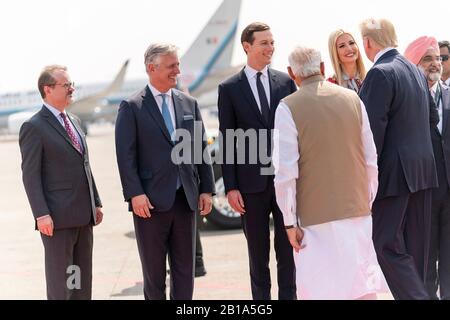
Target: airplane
203 66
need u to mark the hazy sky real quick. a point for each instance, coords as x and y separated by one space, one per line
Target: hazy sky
93 38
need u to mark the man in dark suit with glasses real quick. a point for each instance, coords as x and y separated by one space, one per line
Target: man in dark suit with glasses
60 188
444 47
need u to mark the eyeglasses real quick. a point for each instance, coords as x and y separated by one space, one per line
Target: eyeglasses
428 59
444 57
66 85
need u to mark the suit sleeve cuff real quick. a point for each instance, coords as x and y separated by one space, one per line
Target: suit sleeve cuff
42 217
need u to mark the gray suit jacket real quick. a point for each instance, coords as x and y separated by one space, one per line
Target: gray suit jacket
57 178
144 149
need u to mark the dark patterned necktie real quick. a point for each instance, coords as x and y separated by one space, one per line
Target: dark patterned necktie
265 109
358 83
71 134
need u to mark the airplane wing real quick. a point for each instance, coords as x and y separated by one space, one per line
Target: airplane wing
214 79
87 104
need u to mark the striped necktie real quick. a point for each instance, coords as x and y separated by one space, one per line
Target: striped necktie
71 134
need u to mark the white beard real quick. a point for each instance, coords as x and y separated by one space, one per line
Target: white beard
435 76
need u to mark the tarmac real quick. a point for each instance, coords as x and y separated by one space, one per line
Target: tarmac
116 265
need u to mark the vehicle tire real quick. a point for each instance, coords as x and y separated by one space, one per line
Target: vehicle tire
222 215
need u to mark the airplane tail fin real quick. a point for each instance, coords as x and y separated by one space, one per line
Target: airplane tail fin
87 104
213 48
117 83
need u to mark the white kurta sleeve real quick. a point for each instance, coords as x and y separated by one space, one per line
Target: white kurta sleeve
285 157
370 155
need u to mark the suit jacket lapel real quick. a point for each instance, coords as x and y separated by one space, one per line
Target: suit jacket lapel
248 93
149 103
274 89
445 108
178 108
56 125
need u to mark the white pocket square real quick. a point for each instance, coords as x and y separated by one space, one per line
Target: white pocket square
188 117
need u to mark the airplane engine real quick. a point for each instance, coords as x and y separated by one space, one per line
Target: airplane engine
16 120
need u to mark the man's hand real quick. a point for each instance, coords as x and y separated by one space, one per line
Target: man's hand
98 215
205 203
45 225
295 236
235 200
141 206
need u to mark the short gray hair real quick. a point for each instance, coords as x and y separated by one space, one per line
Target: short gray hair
305 62
155 50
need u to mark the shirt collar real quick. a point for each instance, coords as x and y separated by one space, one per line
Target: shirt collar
379 54
251 73
346 77
156 93
447 82
434 87
55 111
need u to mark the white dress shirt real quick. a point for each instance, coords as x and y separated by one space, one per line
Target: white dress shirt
169 102
251 76
438 106
339 260
379 54
447 82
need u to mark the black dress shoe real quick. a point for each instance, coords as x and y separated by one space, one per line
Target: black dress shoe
200 271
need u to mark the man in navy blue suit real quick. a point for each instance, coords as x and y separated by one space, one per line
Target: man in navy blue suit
400 109
247 103
162 191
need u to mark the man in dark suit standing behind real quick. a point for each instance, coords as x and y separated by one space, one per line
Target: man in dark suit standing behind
424 52
163 192
247 101
400 109
60 188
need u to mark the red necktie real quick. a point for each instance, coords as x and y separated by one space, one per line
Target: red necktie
71 134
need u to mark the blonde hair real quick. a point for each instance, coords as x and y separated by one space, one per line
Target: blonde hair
381 31
338 72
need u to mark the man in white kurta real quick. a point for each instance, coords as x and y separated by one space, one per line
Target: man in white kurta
333 251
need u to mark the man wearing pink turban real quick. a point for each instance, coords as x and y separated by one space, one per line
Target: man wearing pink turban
417 49
424 52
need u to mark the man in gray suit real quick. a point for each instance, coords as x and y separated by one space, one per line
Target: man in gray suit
60 188
162 191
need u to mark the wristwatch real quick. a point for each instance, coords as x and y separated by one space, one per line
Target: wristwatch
290 227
